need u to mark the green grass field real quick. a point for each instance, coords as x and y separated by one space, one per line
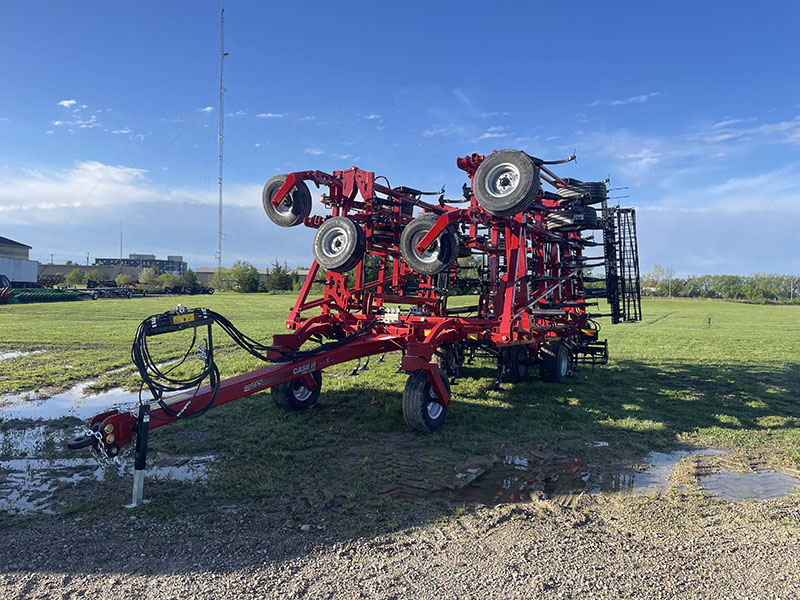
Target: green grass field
692 372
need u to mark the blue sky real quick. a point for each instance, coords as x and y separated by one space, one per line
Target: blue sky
109 113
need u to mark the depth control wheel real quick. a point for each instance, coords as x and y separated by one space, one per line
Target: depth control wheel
339 244
295 207
294 394
514 362
421 411
554 363
439 255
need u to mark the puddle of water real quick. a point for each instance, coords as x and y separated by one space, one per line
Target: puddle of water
518 478
18 353
72 403
761 485
28 484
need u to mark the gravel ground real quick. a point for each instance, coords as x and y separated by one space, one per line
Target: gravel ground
670 546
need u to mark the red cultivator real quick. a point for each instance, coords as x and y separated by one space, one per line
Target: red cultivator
500 273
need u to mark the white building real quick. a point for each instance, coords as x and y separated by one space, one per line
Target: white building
16 268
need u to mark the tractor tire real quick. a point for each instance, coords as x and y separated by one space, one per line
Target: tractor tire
584 192
554 363
421 412
506 183
295 207
339 244
4 282
294 395
437 257
584 217
514 362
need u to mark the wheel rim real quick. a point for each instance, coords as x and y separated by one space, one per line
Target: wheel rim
285 207
433 407
300 392
502 180
431 254
563 362
334 242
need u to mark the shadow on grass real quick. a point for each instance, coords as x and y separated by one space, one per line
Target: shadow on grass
334 467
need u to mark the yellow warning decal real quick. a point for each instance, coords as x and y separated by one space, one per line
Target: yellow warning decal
589 332
427 332
472 336
184 318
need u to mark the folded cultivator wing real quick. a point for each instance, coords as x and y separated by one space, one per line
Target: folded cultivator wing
505 272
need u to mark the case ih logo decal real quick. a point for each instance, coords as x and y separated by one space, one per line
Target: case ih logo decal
307 368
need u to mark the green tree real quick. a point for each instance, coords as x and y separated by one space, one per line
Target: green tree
244 277
221 283
147 275
167 279
123 279
279 278
76 277
189 278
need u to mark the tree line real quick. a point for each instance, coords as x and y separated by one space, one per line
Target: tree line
758 287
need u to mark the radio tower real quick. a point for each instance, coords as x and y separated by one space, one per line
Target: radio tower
222 55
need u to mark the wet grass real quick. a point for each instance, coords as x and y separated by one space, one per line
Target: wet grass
693 372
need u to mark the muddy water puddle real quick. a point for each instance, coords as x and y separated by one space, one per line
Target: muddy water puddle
31 472
78 402
564 480
759 485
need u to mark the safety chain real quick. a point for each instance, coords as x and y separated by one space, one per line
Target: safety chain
99 451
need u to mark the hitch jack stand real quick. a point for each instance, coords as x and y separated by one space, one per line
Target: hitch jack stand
142 428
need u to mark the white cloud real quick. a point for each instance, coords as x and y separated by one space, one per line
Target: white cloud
122 131
371 116
314 151
67 103
270 115
491 134
631 100
784 132
238 113
206 109
442 130
307 118
57 210
89 123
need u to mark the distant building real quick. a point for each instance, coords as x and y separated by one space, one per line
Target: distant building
16 268
174 265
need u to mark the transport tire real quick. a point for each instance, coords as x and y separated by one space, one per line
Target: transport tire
514 362
294 394
585 192
584 217
295 207
506 183
421 412
339 244
554 363
437 257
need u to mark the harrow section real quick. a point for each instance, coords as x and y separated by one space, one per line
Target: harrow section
505 271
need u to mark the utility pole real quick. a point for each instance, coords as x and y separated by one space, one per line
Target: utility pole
51 258
222 55
87 259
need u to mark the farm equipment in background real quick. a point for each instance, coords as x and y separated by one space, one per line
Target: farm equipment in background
499 273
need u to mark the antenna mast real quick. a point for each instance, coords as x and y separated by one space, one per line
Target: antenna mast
222 55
